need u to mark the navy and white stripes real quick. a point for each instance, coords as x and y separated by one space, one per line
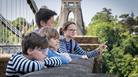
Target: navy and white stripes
76 49
19 65
53 61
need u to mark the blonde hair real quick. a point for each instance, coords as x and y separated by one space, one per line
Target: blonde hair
49 33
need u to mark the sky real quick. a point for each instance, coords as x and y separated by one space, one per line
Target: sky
11 9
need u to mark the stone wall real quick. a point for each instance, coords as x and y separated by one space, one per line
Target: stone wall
79 68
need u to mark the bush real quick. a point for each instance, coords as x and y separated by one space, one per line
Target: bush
121 55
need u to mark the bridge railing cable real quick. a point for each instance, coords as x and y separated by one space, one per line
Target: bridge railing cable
10 26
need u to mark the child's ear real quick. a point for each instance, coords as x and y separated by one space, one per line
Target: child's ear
29 51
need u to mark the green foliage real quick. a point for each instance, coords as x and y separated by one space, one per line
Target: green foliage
117 62
134 72
129 21
130 44
19 23
121 55
7 37
56 22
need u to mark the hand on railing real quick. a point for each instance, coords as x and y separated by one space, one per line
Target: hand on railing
38 54
102 47
85 57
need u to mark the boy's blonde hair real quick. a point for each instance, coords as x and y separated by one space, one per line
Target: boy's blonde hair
49 33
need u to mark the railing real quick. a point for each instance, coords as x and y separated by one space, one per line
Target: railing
16 18
86 42
10 26
32 5
10 49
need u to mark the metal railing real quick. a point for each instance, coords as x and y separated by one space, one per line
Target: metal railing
10 48
10 26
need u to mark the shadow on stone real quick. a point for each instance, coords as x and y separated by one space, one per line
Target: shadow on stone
79 68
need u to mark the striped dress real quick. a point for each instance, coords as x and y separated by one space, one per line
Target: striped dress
73 47
19 65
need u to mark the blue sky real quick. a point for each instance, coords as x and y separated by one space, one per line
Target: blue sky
10 9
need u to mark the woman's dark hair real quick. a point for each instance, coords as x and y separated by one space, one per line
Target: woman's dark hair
61 31
33 40
65 26
43 14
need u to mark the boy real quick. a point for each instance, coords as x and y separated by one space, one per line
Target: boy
31 58
44 18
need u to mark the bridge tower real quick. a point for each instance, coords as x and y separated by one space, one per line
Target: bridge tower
74 6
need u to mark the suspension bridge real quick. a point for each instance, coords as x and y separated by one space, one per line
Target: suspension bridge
11 34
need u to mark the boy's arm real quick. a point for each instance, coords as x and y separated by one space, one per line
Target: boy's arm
65 58
53 61
22 64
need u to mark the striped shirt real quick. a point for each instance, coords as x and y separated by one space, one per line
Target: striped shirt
19 65
75 48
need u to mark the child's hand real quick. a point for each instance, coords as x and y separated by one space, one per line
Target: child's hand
67 56
38 54
101 48
84 57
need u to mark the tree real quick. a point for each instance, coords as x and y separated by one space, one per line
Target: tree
104 15
21 24
7 37
122 46
128 21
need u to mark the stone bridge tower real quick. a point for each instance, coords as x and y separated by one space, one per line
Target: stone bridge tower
74 6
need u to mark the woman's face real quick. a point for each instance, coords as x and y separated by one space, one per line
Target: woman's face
71 31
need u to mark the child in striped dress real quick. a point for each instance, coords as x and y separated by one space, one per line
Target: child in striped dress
69 45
